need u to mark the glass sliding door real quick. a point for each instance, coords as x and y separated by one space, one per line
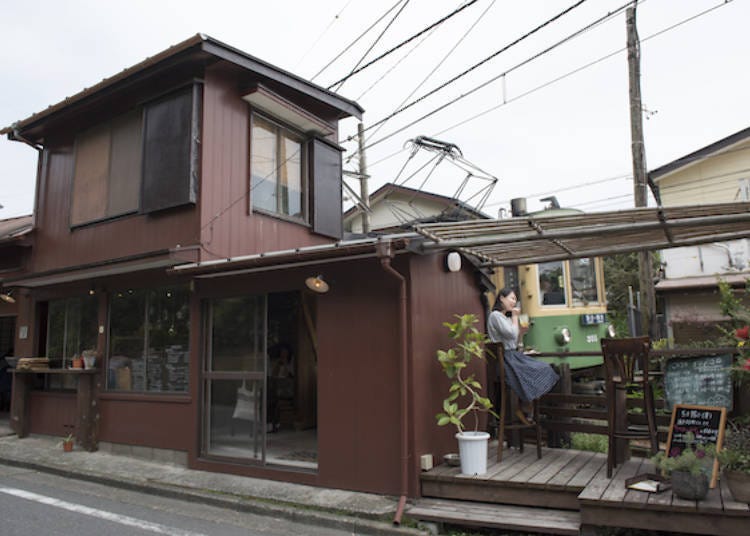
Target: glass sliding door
234 378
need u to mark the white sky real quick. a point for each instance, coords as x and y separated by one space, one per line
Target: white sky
570 133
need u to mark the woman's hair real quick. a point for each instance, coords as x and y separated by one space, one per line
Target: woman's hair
502 294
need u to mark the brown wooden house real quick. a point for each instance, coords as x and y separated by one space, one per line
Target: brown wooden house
181 206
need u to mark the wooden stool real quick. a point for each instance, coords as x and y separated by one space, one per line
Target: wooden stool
508 408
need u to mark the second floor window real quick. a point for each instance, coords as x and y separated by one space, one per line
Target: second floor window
143 161
276 168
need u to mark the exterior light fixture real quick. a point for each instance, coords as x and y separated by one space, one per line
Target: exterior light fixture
453 261
316 284
7 298
611 331
92 291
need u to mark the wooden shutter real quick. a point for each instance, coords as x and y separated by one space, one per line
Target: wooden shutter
170 150
325 182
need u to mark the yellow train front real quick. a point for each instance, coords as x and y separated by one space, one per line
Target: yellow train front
566 306
564 301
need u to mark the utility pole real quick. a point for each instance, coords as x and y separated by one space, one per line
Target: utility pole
363 186
640 186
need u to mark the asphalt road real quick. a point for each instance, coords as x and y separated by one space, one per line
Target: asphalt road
33 503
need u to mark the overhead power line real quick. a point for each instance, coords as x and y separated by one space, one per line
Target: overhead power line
325 31
534 89
440 63
377 40
412 38
356 40
480 63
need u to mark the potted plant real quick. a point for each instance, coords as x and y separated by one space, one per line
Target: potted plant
465 393
67 443
688 468
734 458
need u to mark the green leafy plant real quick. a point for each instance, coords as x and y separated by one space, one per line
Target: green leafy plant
464 395
733 307
695 459
735 452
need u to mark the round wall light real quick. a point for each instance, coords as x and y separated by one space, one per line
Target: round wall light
453 261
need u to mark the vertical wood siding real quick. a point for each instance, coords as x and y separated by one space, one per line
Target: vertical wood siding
229 228
57 245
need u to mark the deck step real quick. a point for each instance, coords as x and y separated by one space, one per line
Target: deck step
498 516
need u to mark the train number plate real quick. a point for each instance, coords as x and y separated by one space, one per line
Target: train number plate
592 319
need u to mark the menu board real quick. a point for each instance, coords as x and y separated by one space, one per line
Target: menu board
704 380
705 423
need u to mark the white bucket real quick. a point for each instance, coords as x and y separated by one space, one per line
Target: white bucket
472 447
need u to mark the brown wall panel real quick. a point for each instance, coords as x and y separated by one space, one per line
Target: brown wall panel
150 423
52 413
358 401
435 296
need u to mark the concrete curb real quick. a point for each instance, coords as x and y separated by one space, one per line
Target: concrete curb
255 505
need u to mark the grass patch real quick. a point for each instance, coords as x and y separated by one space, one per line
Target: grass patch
588 442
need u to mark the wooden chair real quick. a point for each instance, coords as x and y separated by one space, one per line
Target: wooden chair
508 406
626 366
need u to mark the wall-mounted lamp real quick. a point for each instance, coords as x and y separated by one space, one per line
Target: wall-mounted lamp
7 297
316 284
453 261
92 291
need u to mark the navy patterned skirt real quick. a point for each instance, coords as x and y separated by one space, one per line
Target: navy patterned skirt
529 378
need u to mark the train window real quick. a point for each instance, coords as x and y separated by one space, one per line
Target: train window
583 280
552 283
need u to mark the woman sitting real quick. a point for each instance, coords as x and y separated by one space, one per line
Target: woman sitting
528 377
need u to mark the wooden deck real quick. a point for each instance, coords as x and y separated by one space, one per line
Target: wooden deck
567 487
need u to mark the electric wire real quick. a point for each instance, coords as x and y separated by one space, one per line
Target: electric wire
382 77
374 43
491 80
579 69
490 57
356 40
322 34
568 188
403 43
440 63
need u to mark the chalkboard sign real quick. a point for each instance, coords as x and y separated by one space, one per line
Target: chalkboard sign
699 380
705 423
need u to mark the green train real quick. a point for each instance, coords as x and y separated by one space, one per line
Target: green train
564 302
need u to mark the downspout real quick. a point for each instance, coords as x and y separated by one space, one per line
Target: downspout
15 135
385 254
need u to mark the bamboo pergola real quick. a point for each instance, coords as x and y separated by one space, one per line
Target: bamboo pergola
532 239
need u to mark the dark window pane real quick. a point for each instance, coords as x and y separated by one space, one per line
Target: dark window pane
551 283
326 189
149 340
91 175
72 327
126 369
583 280
238 334
125 164
169 172
263 165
